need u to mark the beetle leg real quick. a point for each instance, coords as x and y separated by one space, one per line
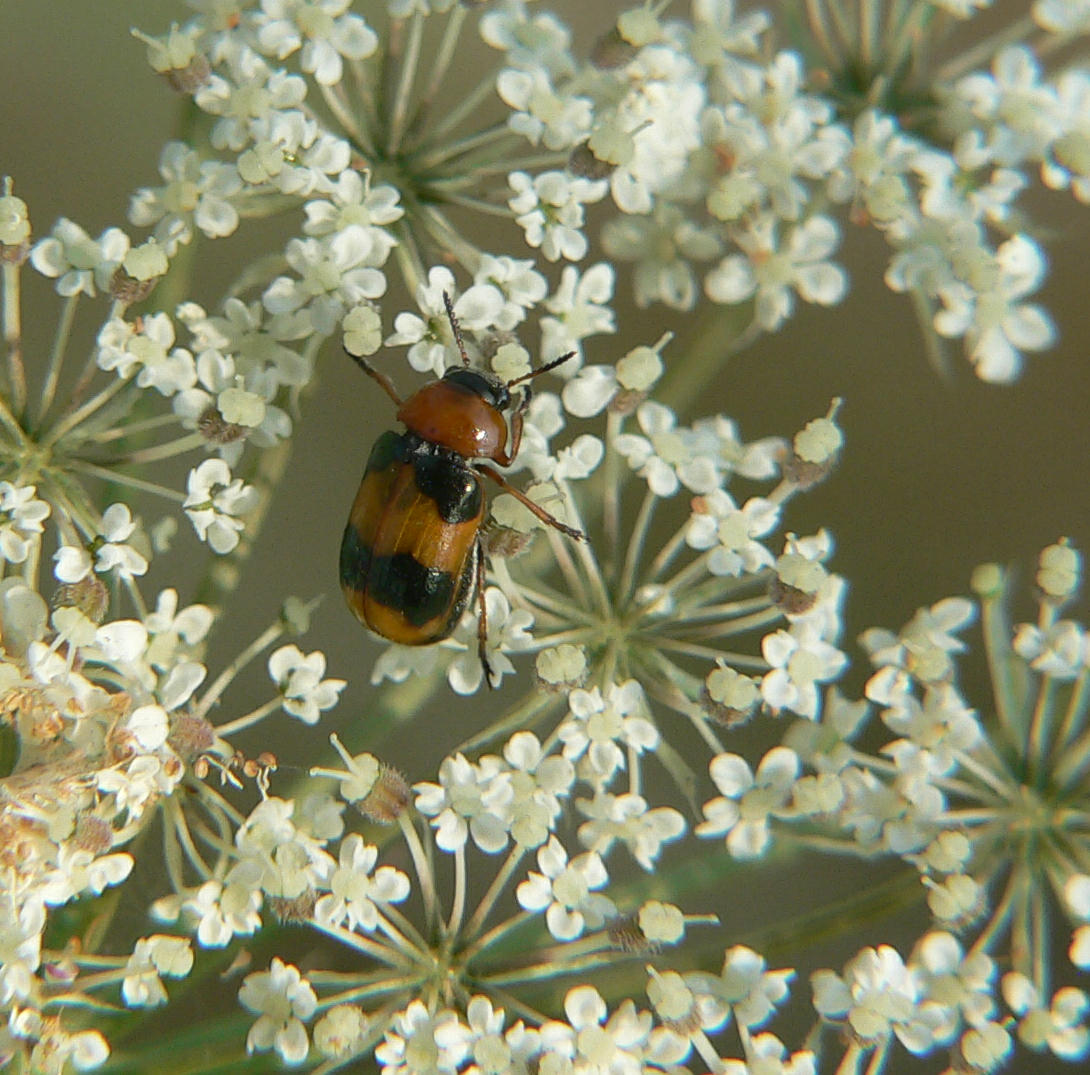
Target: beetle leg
527 503
482 617
505 459
384 382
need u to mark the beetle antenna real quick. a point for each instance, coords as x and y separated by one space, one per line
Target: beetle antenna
456 328
542 369
383 381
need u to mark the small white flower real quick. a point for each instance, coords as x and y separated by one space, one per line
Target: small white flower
962 984
323 30
744 988
226 910
299 679
430 338
357 890
417 1042
283 999
147 347
541 114
667 456
78 262
772 271
521 285
577 309
111 551
800 660
731 533
198 193
214 501
629 819
743 812
508 632
20 948
333 275
1060 1027
353 204
469 800
289 861
247 94
662 244
600 729
876 997
151 957
538 782
600 1041
566 891
22 517
549 209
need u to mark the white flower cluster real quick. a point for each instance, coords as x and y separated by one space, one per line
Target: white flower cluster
104 724
723 166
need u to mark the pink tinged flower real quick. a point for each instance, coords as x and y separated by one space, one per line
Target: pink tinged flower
283 999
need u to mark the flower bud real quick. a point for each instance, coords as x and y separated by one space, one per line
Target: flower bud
1059 571
560 668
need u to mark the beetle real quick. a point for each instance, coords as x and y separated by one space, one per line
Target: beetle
411 555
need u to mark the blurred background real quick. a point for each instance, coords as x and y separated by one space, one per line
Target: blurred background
937 474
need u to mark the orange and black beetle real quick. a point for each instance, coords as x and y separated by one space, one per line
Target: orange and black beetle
411 554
